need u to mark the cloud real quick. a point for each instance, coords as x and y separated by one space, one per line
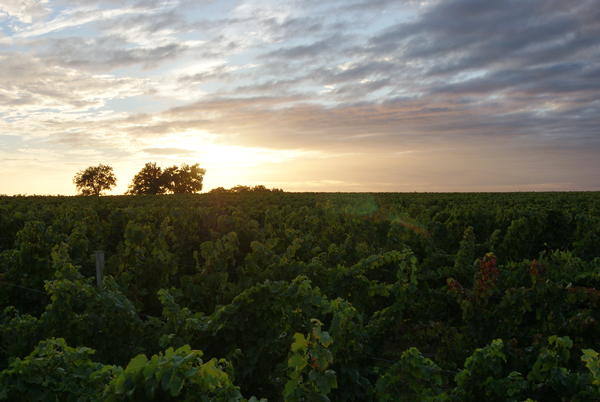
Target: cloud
202 74
167 151
469 34
143 34
398 125
311 50
77 17
380 77
31 88
105 53
25 11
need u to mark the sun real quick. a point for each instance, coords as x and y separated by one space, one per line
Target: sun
227 164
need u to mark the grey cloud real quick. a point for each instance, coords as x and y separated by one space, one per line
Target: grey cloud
279 87
113 47
99 54
362 5
31 84
216 73
167 151
357 79
152 129
71 143
228 104
148 23
309 50
476 34
403 122
556 78
361 89
295 27
362 70
23 10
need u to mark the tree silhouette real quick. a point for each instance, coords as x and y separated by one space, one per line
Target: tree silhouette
184 179
178 180
245 189
95 179
149 180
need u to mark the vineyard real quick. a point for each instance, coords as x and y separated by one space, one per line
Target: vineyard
301 297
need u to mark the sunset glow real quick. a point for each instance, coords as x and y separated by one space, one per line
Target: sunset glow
356 95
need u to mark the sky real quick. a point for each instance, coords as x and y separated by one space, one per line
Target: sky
328 95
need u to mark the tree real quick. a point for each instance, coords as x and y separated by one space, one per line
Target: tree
95 179
245 189
149 180
152 179
184 179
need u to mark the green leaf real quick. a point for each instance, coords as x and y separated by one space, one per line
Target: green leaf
592 362
167 374
137 363
297 362
326 339
300 342
176 385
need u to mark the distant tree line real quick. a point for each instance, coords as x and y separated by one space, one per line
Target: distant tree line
245 189
152 179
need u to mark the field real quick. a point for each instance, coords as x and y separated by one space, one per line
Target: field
301 297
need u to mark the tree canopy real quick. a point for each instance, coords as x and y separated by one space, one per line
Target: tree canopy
246 189
149 180
95 179
152 179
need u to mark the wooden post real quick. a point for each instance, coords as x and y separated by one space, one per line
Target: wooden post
99 267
